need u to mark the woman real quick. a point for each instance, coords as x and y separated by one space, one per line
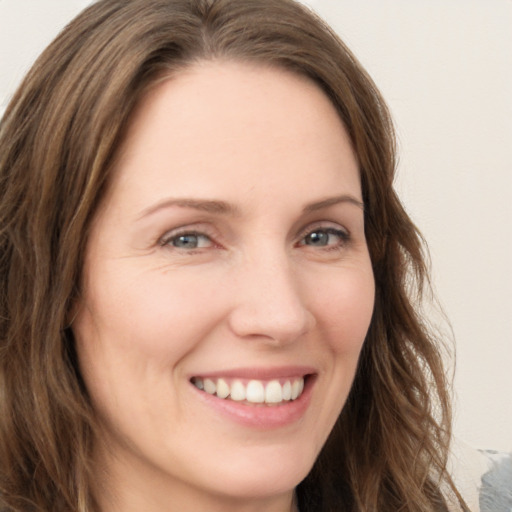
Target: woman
209 286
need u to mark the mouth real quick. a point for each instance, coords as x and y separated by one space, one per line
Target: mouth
253 392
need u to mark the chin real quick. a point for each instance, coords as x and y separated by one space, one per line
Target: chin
271 472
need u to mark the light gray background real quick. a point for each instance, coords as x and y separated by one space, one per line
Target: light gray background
445 67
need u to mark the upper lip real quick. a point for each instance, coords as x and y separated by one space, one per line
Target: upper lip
258 373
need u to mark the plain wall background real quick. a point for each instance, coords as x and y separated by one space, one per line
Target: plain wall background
445 68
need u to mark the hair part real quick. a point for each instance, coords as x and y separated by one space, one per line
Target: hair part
59 140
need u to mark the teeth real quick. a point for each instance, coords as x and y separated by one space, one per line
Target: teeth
209 386
222 389
273 392
297 387
287 391
237 391
255 391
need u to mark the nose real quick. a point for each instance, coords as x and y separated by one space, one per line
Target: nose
269 302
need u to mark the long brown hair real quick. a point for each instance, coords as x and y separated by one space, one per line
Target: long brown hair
58 142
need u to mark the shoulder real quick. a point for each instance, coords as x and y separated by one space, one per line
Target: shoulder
483 477
495 493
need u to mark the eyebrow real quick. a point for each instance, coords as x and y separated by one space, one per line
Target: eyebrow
204 205
224 208
331 201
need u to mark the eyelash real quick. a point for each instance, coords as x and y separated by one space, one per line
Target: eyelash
344 237
170 239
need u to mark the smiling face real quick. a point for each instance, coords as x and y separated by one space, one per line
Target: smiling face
227 292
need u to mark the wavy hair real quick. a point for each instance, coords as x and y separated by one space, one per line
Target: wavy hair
58 142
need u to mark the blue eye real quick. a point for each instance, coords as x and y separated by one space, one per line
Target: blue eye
189 241
325 237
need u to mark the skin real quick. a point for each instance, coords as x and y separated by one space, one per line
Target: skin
257 292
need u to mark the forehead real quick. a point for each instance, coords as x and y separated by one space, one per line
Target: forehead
217 121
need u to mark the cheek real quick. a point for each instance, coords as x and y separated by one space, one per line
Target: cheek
158 315
344 310
132 334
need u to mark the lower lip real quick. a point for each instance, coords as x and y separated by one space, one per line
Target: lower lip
259 415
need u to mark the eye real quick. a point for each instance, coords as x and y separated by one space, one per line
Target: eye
188 241
325 237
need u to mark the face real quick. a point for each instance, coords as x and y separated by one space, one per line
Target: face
227 289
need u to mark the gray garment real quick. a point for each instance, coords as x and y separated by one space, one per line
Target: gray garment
496 489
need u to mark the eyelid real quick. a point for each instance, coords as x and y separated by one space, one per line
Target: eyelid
323 225
203 231
206 231
330 228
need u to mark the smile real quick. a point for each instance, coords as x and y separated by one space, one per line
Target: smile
252 391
